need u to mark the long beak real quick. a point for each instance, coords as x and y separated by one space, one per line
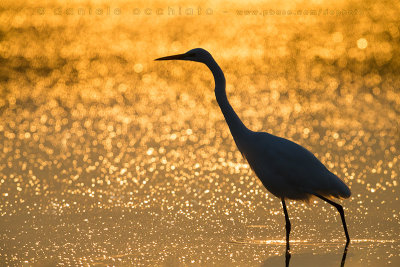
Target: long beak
174 57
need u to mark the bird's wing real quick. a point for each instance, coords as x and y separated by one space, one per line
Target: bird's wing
298 169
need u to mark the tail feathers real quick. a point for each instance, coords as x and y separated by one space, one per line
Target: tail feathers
346 193
337 188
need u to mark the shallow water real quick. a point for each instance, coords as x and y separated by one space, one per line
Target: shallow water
110 158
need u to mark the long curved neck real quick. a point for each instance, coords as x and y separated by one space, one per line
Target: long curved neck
236 126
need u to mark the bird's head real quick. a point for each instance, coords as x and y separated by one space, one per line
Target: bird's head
197 54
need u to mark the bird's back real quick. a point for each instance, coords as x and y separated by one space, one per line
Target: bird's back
288 170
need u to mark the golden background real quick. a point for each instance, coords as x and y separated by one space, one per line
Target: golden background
110 158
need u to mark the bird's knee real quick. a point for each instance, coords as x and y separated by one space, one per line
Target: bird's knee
339 208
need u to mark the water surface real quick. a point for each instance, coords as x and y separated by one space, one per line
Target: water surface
110 158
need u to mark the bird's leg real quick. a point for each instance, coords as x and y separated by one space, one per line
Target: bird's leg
341 212
288 226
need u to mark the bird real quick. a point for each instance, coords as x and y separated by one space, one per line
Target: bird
285 168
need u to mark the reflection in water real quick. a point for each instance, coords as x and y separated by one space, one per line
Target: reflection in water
287 255
308 259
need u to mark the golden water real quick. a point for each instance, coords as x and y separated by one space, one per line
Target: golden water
110 158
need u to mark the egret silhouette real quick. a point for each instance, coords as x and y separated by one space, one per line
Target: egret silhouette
286 169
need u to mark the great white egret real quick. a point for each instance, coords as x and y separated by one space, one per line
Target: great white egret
286 169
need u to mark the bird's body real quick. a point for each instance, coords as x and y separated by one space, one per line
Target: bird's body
286 169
